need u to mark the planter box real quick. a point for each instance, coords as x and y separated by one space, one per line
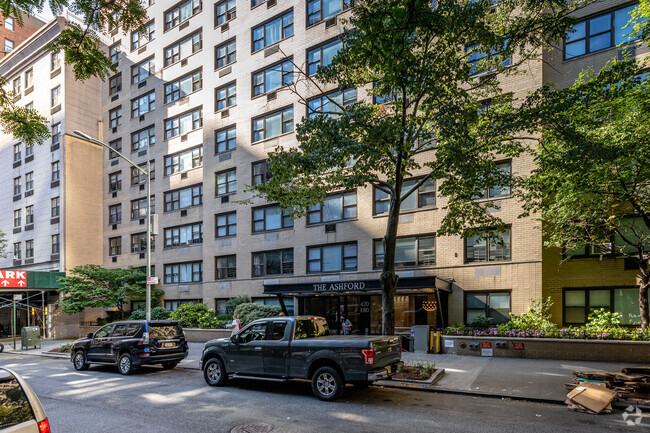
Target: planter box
548 348
204 335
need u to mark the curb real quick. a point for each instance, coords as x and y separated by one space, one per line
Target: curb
41 354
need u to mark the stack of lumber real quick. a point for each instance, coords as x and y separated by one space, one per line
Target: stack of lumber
631 386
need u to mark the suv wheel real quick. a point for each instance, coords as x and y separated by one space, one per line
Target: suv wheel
125 364
79 361
169 365
214 372
326 384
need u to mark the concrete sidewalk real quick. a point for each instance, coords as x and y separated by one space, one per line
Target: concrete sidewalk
530 379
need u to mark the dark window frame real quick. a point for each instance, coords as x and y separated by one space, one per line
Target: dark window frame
343 257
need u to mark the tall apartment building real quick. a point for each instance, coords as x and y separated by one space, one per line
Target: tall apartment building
200 95
52 191
13 33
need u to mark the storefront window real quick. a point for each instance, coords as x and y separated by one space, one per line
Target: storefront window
579 303
494 305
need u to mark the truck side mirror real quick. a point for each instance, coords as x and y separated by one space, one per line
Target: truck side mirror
89 335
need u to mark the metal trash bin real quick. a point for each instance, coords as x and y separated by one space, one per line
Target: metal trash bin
407 343
30 336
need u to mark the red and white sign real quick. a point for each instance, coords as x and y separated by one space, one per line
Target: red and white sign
152 280
486 348
13 279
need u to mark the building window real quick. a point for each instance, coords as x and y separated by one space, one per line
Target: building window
174 304
226 225
270 218
599 33
115 84
29 78
484 250
322 55
115 117
17 154
56 244
494 305
477 57
225 11
191 272
139 207
9 24
225 54
56 134
182 12
115 214
183 86
138 177
17 218
184 161
184 123
226 96
423 197
142 70
29 181
332 258
117 145
331 103
29 149
143 104
55 60
226 139
115 181
504 169
143 139
29 249
140 38
56 171
273 31
56 96
272 125
17 185
226 182
261 172
55 207
184 198
183 49
336 207
578 303
272 77
319 10
139 242
191 234
17 251
9 45
225 267
29 214
115 52
278 262
17 87
409 251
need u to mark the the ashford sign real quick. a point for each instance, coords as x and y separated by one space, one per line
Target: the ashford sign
347 286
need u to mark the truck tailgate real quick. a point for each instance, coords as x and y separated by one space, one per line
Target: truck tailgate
387 351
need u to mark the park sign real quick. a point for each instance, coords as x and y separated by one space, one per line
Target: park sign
13 279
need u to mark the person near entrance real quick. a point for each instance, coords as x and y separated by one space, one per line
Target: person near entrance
346 325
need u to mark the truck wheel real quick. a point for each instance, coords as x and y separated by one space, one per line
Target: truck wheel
125 364
169 365
326 384
214 372
79 361
2 347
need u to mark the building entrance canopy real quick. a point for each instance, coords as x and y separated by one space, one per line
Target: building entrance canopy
347 287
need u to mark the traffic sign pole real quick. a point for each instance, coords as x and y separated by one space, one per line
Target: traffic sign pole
14 322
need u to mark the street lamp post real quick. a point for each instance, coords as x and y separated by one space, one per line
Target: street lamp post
147 173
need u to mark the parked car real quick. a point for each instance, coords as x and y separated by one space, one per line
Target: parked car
20 409
131 344
283 348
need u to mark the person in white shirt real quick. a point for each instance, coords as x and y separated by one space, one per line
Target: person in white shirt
234 325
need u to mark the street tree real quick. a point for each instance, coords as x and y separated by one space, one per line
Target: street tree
93 286
430 71
80 44
591 186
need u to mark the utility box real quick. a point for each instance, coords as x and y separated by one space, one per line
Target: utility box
30 336
420 334
407 342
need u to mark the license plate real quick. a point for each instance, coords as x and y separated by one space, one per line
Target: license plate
168 344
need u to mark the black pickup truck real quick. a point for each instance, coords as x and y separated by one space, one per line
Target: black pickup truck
283 348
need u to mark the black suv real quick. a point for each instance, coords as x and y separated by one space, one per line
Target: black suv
132 344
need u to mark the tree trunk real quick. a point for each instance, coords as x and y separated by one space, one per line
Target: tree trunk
388 279
644 284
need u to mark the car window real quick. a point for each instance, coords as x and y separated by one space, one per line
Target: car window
277 330
301 330
14 405
104 332
162 332
310 328
132 330
256 332
119 331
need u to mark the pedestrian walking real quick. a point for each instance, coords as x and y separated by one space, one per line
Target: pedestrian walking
235 325
346 325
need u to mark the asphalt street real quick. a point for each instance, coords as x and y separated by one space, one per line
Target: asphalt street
154 400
